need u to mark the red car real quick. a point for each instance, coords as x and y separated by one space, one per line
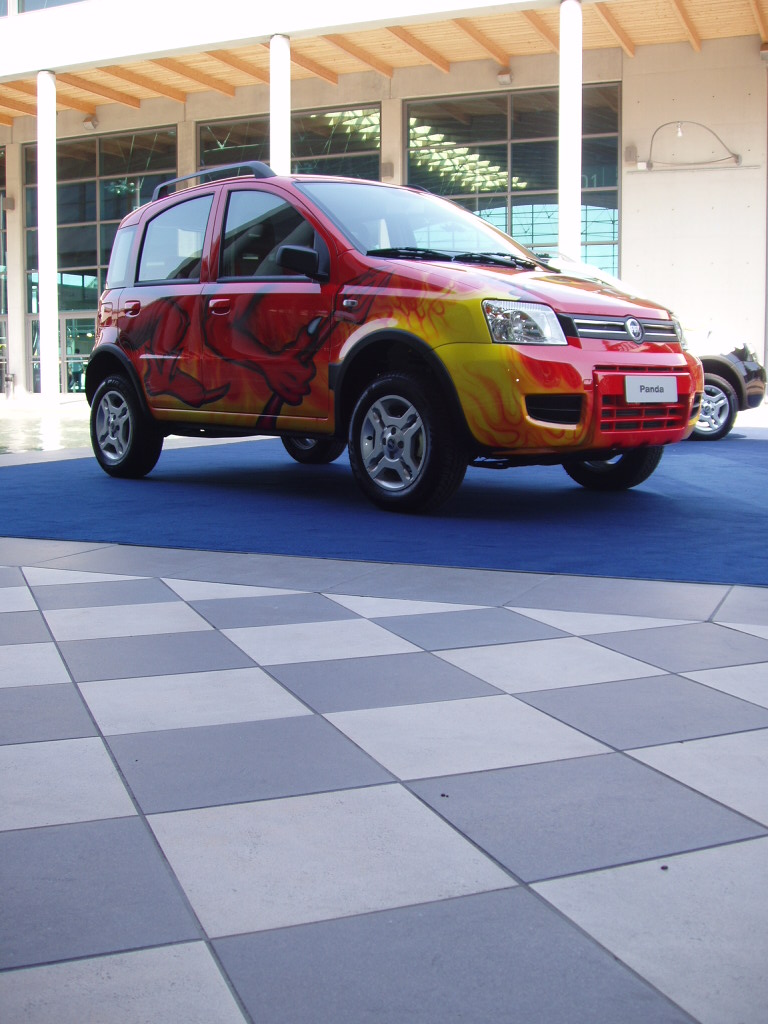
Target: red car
334 312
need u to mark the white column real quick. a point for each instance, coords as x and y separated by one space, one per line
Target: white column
280 104
14 186
47 243
569 171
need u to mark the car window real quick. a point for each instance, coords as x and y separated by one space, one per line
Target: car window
119 273
256 225
173 243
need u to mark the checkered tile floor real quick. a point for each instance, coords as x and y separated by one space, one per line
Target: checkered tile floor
249 788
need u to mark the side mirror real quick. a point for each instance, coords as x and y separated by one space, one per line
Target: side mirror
300 258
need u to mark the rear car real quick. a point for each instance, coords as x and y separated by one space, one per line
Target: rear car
338 313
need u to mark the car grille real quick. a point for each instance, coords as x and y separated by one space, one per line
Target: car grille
617 415
615 329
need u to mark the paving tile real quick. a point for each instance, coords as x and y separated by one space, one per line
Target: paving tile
39 576
565 817
185 768
21 551
585 623
383 607
55 782
693 925
231 613
187 700
78 890
641 712
92 623
11 576
196 590
31 665
165 654
750 682
546 664
31 713
688 648
730 769
625 597
439 630
170 984
744 627
23 628
488 957
460 736
354 683
745 604
322 641
107 593
16 599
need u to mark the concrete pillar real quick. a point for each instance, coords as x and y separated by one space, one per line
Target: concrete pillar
392 142
569 168
17 278
186 147
47 242
280 104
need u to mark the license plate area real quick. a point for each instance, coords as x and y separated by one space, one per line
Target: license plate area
649 388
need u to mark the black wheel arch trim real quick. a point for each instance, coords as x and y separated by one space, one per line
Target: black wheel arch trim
106 360
731 369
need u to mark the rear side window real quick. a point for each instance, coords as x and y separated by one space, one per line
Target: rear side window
173 243
257 224
119 273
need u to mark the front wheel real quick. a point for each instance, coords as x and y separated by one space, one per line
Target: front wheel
719 407
405 452
617 474
125 441
314 451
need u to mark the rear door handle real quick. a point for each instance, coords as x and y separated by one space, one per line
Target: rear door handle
132 307
220 307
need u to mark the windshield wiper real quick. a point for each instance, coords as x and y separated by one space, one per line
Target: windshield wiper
409 252
501 259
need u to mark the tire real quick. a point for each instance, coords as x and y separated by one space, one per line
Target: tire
618 474
719 407
314 451
405 452
125 441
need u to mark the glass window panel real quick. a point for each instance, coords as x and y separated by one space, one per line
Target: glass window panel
335 132
173 243
459 170
599 217
599 163
535 221
120 271
118 196
30 165
2 167
534 166
459 121
31 250
77 290
75 158
600 109
535 114
30 207
76 203
107 234
229 142
605 257
77 246
41 5
365 166
490 208
137 152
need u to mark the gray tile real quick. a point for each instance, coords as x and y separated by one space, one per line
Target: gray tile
102 594
493 957
564 817
11 576
23 628
78 890
229 613
642 712
438 583
20 551
29 713
384 681
185 768
745 604
688 648
161 654
441 630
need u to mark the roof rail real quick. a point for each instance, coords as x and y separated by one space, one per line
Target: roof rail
257 168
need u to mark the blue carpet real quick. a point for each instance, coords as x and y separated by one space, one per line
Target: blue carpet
701 517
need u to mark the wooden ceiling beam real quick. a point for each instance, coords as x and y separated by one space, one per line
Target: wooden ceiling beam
97 89
421 48
693 36
760 20
235 63
177 67
614 28
482 40
537 22
312 66
6 121
17 105
145 82
362 55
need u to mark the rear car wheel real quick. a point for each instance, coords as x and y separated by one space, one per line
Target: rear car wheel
719 407
314 451
125 441
405 452
617 474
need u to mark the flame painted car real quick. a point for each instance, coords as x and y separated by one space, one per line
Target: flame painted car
336 312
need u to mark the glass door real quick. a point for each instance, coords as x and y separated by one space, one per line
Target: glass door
77 335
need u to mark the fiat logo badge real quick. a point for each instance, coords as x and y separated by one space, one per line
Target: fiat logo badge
634 328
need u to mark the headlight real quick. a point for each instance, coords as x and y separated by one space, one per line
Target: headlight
522 323
680 334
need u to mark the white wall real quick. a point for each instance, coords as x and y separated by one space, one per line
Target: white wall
695 238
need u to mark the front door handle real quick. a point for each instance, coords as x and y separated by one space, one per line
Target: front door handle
220 307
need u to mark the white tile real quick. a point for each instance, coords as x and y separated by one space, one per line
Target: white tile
452 737
16 599
250 867
31 665
60 781
169 984
753 630
383 607
192 590
750 682
317 641
37 577
587 623
124 620
732 769
547 664
695 930
189 700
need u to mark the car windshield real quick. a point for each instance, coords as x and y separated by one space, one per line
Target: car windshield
405 224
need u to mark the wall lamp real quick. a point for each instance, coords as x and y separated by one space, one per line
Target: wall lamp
730 159
90 123
504 77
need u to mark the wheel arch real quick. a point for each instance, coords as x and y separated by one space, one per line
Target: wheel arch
724 367
104 362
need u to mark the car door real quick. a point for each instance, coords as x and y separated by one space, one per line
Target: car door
266 327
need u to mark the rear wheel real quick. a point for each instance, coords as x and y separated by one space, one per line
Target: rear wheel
125 441
314 451
719 407
617 474
405 452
